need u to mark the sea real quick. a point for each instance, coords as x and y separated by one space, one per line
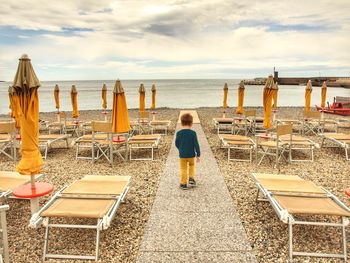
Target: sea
171 93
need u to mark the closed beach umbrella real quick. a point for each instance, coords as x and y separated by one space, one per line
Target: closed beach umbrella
74 100
154 91
26 86
225 97
323 94
240 97
274 95
308 91
56 94
14 104
142 92
120 116
104 97
267 101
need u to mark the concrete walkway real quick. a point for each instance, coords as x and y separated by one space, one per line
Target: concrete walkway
196 225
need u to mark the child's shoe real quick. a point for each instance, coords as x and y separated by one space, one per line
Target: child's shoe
192 182
183 186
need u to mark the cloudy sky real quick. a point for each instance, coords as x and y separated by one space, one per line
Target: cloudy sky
89 39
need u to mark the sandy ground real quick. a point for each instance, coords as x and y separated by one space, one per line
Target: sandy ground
120 243
267 235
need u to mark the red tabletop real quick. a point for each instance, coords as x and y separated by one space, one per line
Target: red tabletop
26 191
265 135
347 192
118 139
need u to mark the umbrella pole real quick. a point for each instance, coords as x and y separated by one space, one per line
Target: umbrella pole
32 181
224 114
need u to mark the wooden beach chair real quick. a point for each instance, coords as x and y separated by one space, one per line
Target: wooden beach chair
337 140
312 123
4 246
63 125
301 202
92 198
245 124
297 124
160 125
84 143
144 141
47 140
274 146
300 144
8 139
223 125
237 143
12 180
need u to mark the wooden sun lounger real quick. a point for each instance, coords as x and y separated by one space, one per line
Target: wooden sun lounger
300 143
339 140
160 125
4 246
291 196
12 180
144 141
46 141
92 197
237 142
223 125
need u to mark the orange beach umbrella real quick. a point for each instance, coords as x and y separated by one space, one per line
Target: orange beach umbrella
120 116
142 92
26 86
74 100
240 97
225 96
274 95
323 94
104 97
267 101
56 94
308 91
154 91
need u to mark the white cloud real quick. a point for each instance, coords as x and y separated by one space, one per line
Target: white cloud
176 38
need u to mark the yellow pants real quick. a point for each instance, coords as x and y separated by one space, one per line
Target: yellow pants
183 169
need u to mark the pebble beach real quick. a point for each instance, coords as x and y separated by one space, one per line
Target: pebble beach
120 243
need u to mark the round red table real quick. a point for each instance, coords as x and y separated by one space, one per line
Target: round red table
26 191
347 192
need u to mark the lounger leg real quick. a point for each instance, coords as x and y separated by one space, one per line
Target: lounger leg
5 244
97 243
344 237
290 240
46 240
228 154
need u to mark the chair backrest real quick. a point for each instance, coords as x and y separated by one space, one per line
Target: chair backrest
312 114
250 113
101 126
284 129
8 127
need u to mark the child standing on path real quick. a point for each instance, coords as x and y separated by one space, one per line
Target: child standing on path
187 143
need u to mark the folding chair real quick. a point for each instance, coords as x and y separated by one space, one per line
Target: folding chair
312 123
143 121
246 124
59 125
337 140
292 197
223 125
297 124
146 142
160 125
237 143
107 147
300 143
4 246
46 141
91 198
275 146
8 139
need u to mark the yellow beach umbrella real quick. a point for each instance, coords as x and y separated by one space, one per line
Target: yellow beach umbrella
240 98
104 97
323 94
120 116
142 92
308 91
74 100
14 104
154 91
56 94
225 97
274 96
267 101
26 86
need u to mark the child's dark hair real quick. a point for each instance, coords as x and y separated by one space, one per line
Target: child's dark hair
186 119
